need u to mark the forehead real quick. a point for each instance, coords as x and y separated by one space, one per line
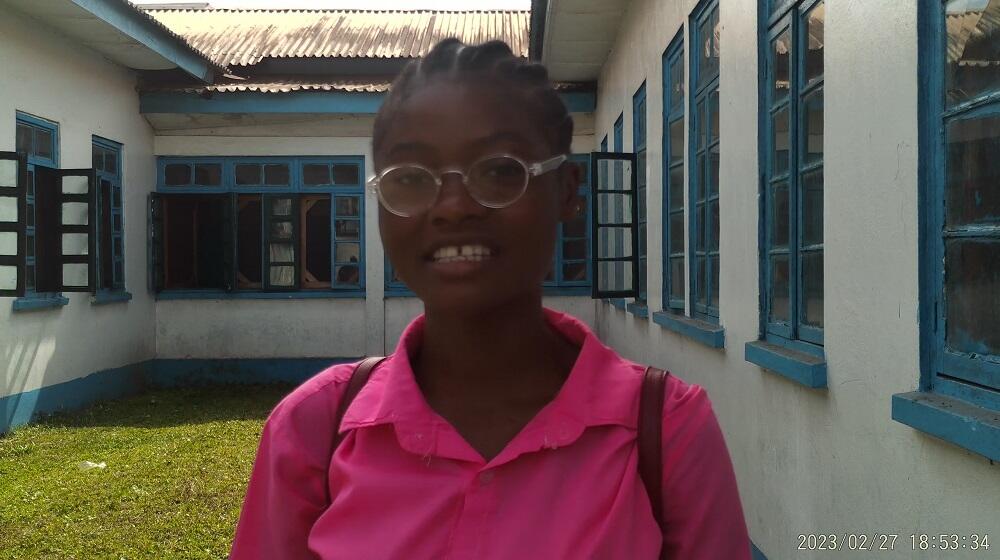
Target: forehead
457 120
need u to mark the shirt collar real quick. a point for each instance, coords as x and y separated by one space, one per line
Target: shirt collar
601 389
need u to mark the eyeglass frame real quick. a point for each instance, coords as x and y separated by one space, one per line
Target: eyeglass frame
532 170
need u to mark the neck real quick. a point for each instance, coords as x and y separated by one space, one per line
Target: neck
506 350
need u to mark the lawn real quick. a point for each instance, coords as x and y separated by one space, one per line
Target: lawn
177 465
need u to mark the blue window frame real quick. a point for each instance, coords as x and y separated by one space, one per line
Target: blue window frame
673 175
703 198
639 147
269 225
107 165
960 175
38 138
618 202
792 171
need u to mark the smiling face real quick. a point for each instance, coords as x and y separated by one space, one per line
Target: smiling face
458 255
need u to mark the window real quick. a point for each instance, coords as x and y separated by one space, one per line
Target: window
613 190
618 203
570 267
673 175
962 182
110 233
639 147
258 225
703 210
792 164
47 219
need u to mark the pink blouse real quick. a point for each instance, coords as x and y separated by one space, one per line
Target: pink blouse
405 484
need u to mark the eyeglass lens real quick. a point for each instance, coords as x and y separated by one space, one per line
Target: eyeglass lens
495 182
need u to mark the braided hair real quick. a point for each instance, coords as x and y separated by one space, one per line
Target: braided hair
492 62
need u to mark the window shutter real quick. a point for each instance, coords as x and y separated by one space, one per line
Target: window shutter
77 230
13 208
281 242
615 264
156 239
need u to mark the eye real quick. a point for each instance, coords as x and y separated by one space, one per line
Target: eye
504 169
412 177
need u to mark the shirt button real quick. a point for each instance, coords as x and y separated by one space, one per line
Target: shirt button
486 477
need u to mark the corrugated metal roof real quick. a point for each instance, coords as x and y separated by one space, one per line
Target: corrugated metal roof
970 33
245 37
285 84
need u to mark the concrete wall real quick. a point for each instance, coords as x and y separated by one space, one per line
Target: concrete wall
811 461
43 74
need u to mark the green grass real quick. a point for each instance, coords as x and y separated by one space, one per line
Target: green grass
178 462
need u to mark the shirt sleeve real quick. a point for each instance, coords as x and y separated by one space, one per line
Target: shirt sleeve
702 510
287 490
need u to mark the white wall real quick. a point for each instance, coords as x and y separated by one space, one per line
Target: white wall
811 461
43 74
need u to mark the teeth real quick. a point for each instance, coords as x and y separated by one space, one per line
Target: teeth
465 253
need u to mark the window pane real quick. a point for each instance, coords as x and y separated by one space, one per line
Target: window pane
574 272
973 49
699 230
780 224
713 225
116 194
972 295
281 207
700 116
346 174
812 288
177 174
814 37
781 49
348 230
550 276
249 242
577 227
283 276
317 237
701 288
713 116
574 250
699 188
713 300
193 242
43 143
116 223
276 174
348 274
779 289
96 159
348 206
677 233
281 252
316 174
677 141
208 174
348 252
248 174
812 208
713 171
642 241
812 122
281 230
677 81
677 278
23 140
973 181
779 127
676 188
110 162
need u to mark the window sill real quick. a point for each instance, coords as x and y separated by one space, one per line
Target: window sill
103 298
799 367
181 295
638 309
32 303
617 302
966 425
711 335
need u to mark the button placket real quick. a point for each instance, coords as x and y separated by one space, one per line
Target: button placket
474 521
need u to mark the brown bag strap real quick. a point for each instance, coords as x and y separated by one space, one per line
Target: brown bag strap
650 438
358 379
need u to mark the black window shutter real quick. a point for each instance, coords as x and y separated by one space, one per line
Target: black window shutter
156 245
13 206
77 231
614 256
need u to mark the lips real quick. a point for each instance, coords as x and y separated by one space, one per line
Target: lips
462 253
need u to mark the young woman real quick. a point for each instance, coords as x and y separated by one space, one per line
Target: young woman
498 429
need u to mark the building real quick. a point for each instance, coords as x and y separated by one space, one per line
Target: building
188 204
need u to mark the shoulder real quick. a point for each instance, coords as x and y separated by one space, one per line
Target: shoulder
688 417
315 400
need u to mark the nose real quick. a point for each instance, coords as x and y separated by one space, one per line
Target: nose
454 204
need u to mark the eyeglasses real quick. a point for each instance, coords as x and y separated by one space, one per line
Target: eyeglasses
495 181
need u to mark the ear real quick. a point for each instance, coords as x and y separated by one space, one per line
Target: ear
569 185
